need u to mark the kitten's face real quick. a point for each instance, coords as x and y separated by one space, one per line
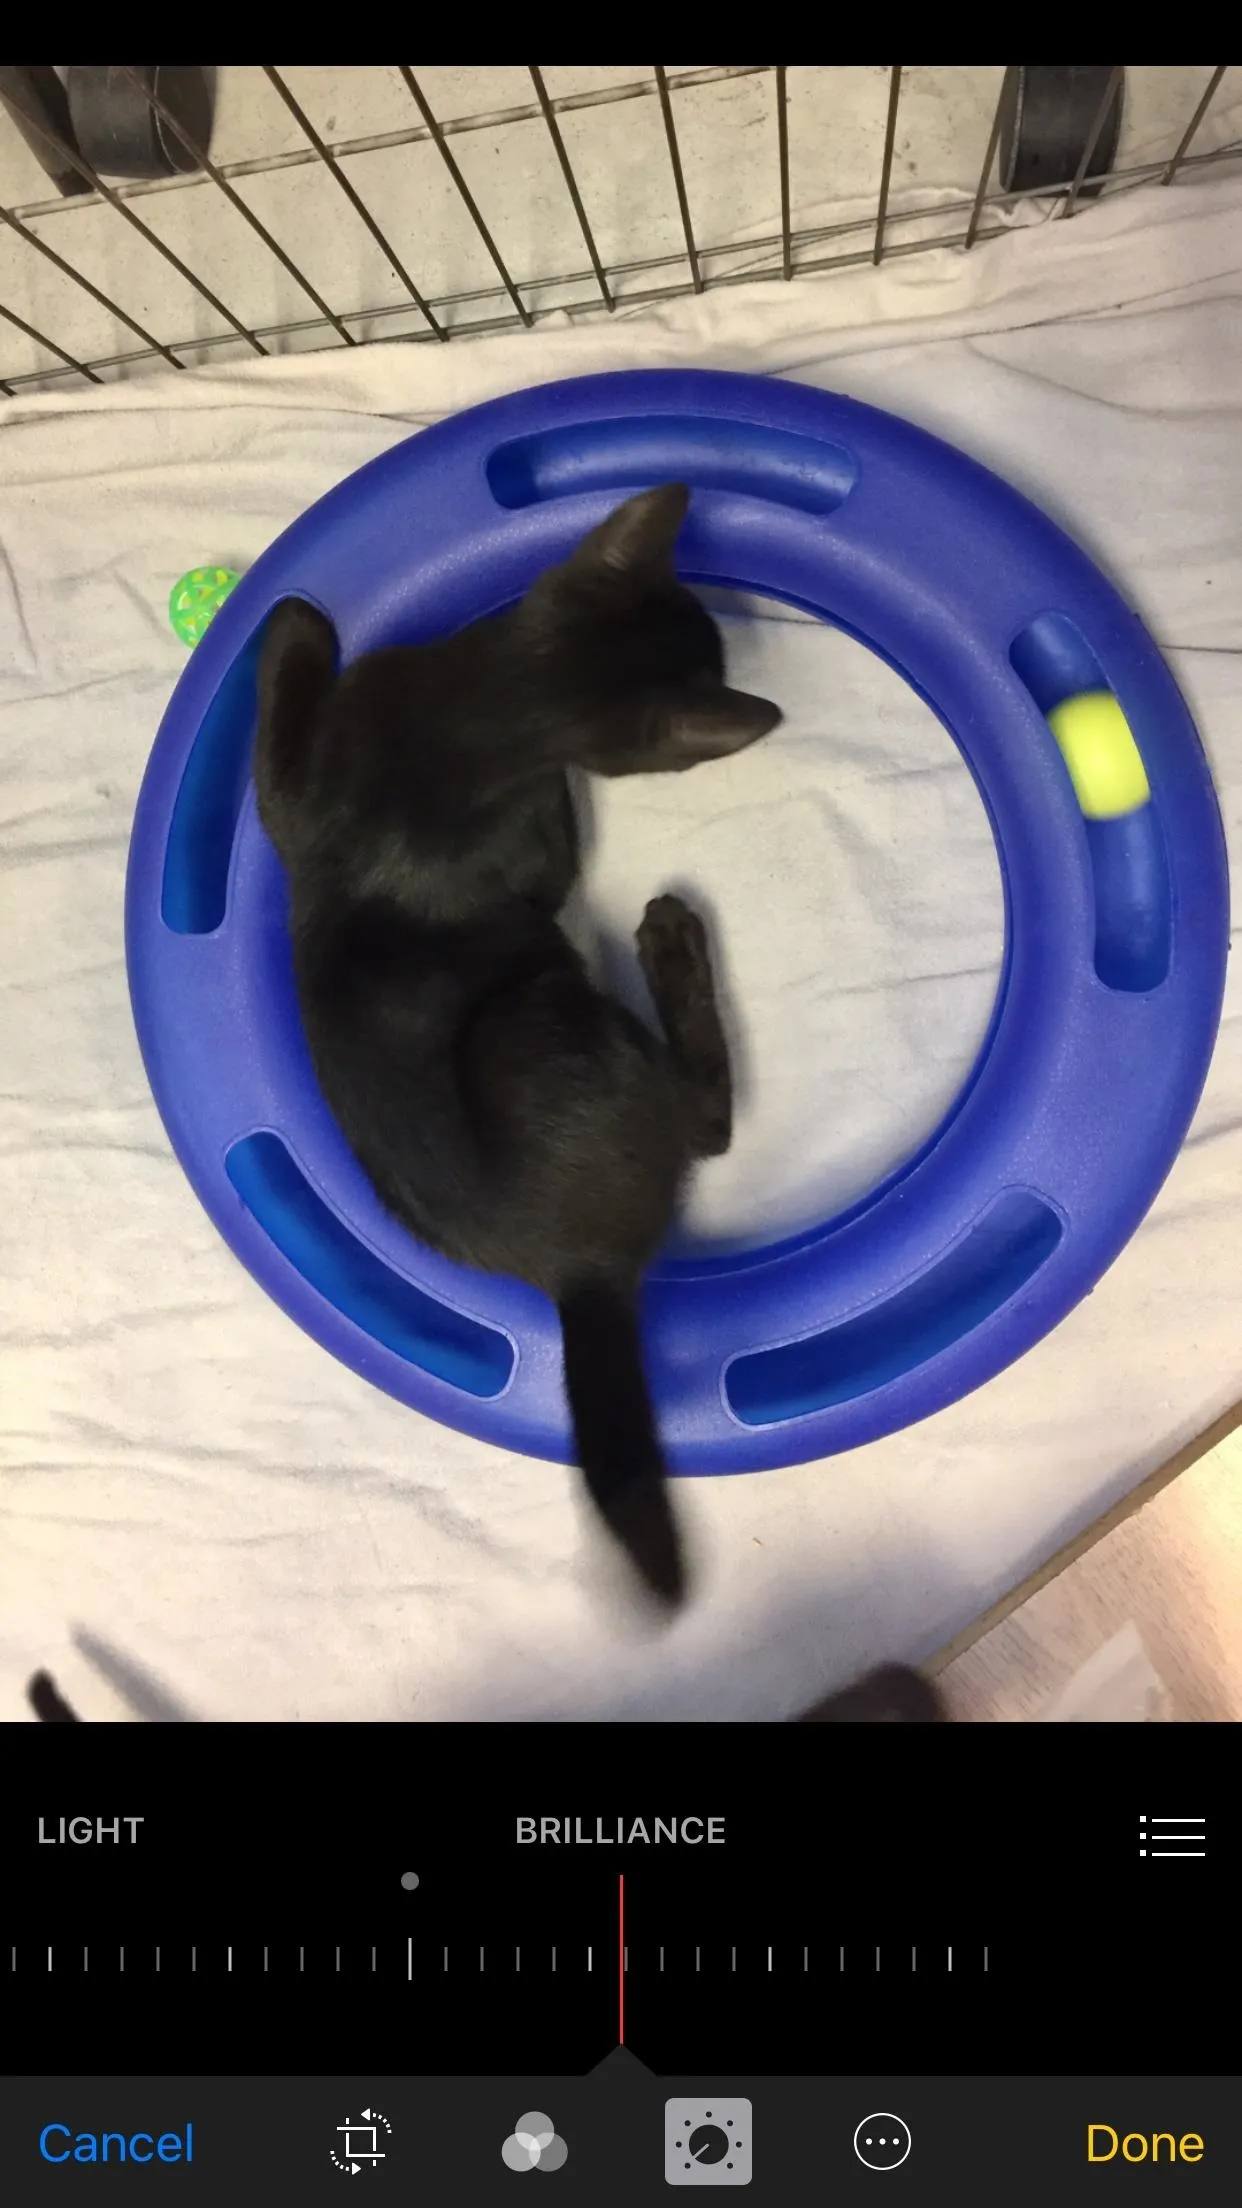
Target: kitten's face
639 665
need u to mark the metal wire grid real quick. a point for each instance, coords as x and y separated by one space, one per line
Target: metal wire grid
791 252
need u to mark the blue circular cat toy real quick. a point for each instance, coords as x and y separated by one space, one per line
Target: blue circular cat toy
1110 848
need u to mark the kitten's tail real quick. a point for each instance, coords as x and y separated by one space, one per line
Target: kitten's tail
618 1447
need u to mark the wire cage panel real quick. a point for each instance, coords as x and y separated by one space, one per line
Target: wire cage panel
348 205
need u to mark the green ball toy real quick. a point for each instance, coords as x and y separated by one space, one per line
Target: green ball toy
196 599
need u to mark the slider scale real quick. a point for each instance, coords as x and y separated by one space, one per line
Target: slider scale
393 1961
453 2001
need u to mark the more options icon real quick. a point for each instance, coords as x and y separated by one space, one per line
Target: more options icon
882 2141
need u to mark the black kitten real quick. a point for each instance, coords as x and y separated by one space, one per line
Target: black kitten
505 1111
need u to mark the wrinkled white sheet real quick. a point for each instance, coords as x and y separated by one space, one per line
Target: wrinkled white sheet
200 1512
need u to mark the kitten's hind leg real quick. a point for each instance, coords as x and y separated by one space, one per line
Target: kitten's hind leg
297 666
676 964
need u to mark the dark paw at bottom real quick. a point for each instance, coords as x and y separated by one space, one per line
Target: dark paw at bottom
673 954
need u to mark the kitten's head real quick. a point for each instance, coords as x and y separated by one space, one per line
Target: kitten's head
635 662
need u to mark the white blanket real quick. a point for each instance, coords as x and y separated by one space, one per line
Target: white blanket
200 1512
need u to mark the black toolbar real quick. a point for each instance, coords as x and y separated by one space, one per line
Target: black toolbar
622 2135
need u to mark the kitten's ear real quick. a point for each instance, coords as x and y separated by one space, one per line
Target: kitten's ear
637 538
299 655
723 722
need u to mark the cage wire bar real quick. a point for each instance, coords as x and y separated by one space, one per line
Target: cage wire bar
558 143
40 245
679 182
73 160
28 329
976 212
793 249
886 164
337 173
441 144
1111 89
782 158
216 177
1209 93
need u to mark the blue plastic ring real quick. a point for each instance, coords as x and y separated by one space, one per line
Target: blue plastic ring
1116 929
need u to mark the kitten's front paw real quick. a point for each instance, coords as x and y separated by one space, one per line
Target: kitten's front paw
672 945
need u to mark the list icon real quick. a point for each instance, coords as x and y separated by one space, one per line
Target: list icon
1164 1837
